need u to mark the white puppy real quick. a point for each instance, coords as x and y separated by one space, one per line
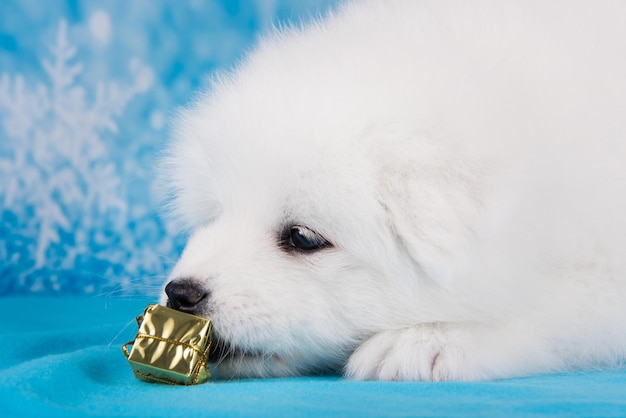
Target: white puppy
412 190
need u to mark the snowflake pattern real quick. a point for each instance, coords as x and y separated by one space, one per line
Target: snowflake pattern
62 196
85 92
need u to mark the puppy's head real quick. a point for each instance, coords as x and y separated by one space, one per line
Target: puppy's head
299 189
300 251
294 263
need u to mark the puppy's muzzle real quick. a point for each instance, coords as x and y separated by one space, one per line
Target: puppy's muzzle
185 295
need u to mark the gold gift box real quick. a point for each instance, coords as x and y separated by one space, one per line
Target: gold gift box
170 347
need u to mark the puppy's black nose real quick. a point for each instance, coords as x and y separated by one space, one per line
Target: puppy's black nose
184 295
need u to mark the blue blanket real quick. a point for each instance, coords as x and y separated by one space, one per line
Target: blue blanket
62 357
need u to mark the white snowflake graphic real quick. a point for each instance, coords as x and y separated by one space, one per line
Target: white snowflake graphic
61 194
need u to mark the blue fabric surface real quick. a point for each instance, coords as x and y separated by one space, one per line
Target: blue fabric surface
61 357
86 91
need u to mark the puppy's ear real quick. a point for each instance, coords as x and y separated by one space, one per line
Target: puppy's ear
432 199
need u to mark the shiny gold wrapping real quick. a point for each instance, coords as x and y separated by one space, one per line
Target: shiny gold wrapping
170 347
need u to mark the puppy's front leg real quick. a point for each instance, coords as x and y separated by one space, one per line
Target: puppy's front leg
444 352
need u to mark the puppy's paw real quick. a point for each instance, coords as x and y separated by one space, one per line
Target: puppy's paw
431 352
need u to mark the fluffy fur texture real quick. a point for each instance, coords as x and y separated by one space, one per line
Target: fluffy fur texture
466 162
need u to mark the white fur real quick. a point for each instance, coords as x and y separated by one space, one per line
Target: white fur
466 159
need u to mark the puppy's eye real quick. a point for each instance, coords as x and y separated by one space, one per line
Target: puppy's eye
303 239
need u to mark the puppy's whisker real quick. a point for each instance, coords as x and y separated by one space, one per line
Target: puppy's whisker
129 323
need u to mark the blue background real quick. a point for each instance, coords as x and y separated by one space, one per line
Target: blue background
86 92
57 363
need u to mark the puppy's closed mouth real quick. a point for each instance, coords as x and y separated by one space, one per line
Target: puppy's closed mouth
221 351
